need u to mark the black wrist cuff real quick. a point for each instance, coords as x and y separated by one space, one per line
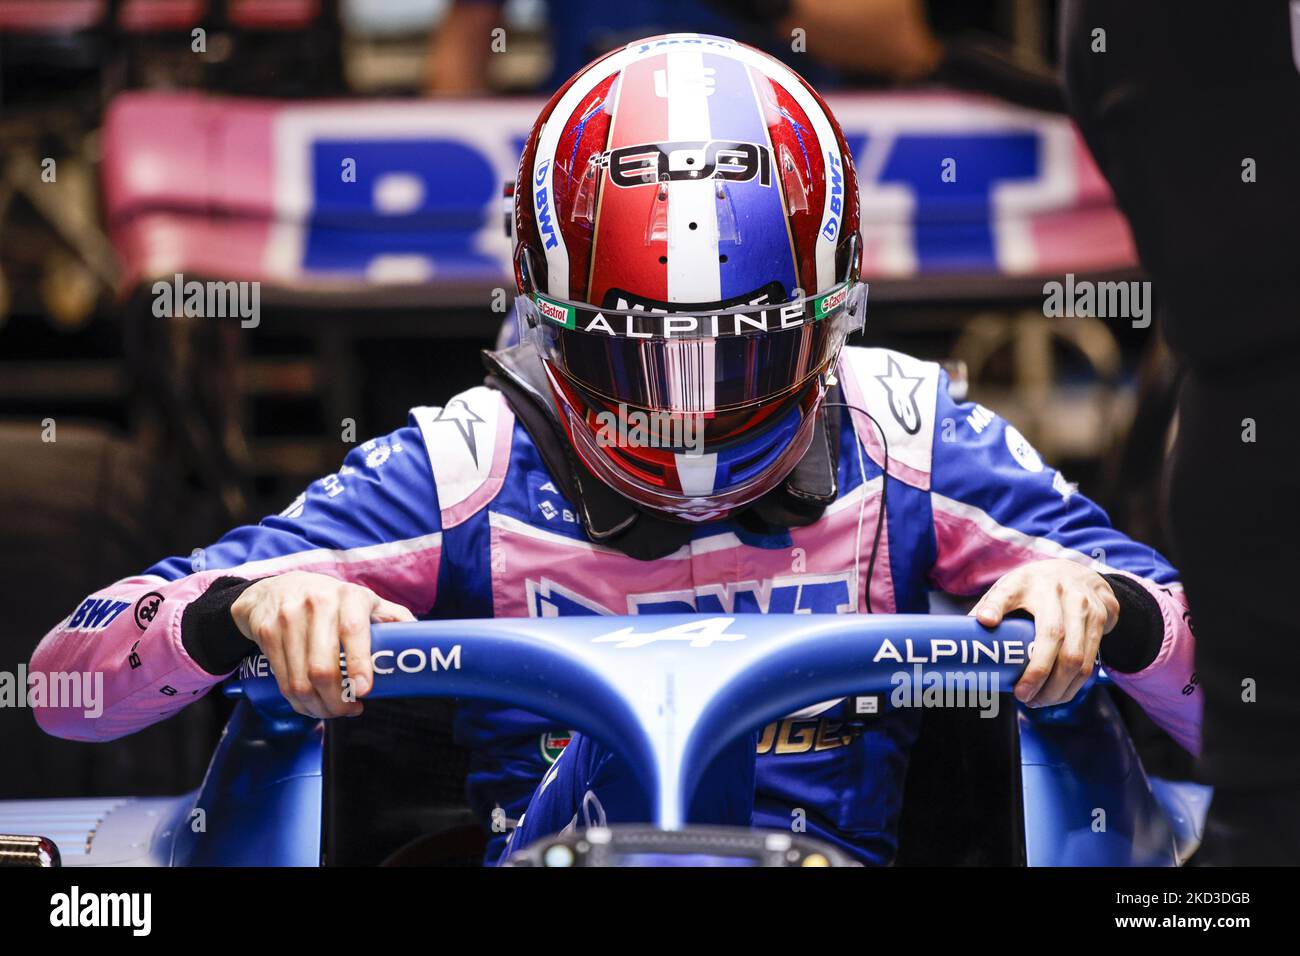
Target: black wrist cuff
1139 632
208 632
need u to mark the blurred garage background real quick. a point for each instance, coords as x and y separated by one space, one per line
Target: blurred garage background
141 139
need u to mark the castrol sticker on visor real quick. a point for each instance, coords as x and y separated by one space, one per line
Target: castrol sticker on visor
556 312
828 303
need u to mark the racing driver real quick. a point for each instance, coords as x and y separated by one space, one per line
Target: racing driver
686 249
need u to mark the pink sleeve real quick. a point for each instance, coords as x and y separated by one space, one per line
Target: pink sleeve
116 664
1167 689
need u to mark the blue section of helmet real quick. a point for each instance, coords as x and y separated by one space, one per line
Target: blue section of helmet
760 252
747 459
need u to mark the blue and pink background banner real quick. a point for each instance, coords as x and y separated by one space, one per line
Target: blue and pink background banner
348 193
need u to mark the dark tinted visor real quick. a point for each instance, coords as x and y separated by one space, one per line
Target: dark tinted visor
695 361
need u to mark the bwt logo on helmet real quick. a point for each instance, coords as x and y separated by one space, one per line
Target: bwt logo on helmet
832 225
542 201
688 161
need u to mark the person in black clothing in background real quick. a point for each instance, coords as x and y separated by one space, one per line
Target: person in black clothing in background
1193 114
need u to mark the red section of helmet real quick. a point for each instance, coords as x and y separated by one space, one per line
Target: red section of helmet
656 465
624 256
527 235
653 468
782 116
586 132
651 465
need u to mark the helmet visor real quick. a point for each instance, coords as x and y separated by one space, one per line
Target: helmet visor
698 361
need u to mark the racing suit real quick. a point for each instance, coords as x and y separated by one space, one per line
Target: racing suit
457 515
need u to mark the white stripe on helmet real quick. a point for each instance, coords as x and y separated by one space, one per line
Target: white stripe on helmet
693 270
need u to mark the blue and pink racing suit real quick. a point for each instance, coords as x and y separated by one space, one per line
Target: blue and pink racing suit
456 516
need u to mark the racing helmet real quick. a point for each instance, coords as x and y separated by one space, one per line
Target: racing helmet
685 226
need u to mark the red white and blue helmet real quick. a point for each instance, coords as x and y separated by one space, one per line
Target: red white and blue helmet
686 249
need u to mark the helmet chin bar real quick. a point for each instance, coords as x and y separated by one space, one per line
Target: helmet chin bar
679 505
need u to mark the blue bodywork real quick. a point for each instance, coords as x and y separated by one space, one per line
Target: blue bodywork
667 691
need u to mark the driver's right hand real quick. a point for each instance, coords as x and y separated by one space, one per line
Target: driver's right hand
301 621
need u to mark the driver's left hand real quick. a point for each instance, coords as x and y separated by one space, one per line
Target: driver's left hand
1072 607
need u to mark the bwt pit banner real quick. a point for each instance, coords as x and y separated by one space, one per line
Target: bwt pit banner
411 191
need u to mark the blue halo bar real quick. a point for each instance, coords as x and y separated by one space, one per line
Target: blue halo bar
669 691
